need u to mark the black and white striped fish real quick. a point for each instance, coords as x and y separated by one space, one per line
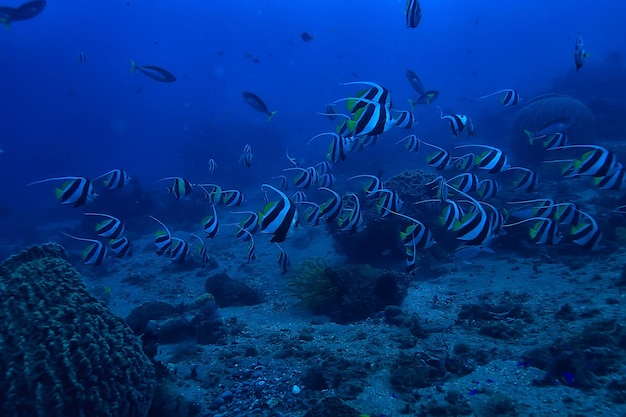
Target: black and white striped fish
246 156
389 201
77 191
93 254
466 182
413 13
179 251
457 122
311 215
587 233
248 226
528 181
111 228
232 198
203 251
404 120
488 188
372 186
283 260
121 247
492 160
278 216
331 208
115 178
163 239
411 143
509 97
440 160
212 165
351 219
464 163
181 187
211 224
303 178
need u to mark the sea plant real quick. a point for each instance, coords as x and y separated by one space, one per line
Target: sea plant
313 284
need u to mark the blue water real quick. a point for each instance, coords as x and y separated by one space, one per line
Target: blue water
64 117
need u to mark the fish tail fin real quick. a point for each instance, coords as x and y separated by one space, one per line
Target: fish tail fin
133 66
270 115
531 137
351 125
412 103
58 192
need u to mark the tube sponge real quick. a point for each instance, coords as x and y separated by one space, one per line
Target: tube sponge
62 352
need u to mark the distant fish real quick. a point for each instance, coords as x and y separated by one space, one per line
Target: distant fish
405 119
579 52
246 156
93 254
77 191
82 57
426 98
331 208
212 166
509 97
559 125
1 151
415 82
283 260
156 73
413 13
257 104
331 112
555 141
25 11
305 36
493 159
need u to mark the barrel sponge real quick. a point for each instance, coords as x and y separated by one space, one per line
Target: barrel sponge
62 352
543 109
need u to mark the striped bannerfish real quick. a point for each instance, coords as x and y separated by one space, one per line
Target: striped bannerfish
298 197
587 234
510 97
111 228
204 253
465 182
376 93
457 122
567 213
283 260
248 226
312 214
599 162
278 216
77 191
464 163
451 213
388 202
372 186
115 178
163 239
304 178
181 187
351 220
284 182
121 247
212 166
579 52
493 160
232 198
556 140
331 208
215 195
416 235
180 250
211 224
412 143
440 160
93 254
326 180
488 188
405 120
544 232
475 226
336 148
413 13
246 156
528 181
615 181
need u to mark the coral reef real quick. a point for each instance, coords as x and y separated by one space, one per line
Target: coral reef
63 353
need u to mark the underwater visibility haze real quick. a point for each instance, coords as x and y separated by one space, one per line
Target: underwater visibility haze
306 208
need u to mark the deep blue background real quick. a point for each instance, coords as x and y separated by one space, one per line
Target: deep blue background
62 117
